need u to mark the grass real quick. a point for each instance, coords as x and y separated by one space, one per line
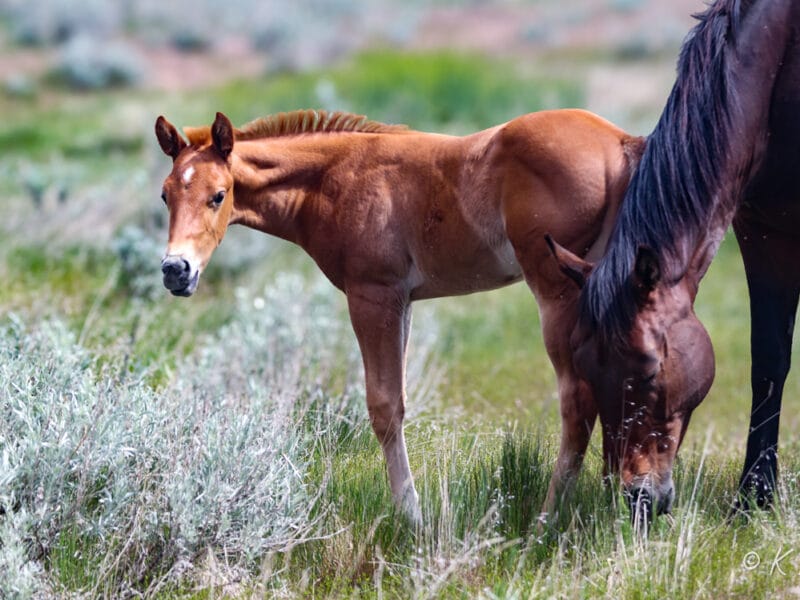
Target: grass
137 418
480 498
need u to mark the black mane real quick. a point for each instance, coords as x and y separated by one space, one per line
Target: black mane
674 186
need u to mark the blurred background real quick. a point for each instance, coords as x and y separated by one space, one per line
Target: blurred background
82 86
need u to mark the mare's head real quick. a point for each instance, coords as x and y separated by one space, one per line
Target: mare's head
199 195
648 370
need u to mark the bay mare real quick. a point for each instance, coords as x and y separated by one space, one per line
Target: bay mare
725 150
392 216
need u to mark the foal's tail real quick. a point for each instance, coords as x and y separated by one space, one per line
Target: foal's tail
633 147
632 150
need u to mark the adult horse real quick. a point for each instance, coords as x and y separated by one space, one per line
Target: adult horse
725 150
392 216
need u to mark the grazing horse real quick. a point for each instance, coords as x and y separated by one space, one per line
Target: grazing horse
392 216
725 150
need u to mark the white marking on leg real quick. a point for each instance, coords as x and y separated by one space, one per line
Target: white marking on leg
400 478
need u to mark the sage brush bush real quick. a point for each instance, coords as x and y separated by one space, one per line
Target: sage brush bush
88 63
139 486
138 256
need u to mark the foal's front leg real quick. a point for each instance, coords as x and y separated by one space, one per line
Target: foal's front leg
381 317
578 415
578 411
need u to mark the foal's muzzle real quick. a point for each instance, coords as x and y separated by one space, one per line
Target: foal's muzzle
178 276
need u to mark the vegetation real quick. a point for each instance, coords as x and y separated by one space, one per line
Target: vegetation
219 446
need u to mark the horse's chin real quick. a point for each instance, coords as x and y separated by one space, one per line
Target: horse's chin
182 293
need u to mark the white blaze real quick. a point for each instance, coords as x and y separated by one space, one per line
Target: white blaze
187 175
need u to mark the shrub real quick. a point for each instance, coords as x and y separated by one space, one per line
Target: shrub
138 256
41 22
88 63
114 487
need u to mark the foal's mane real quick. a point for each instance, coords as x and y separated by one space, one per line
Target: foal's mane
672 192
312 121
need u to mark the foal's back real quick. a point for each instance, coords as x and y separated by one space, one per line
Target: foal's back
438 215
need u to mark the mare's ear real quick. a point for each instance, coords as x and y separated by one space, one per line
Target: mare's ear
168 138
646 270
222 136
572 265
700 262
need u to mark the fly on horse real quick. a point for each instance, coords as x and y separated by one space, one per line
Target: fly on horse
392 215
725 150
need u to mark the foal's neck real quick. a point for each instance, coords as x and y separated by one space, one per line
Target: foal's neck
273 180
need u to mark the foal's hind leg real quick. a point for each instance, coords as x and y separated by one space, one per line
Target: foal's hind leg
381 318
774 284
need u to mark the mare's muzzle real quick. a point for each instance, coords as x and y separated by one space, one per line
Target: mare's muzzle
645 504
178 276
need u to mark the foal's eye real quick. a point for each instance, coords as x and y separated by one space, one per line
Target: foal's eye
216 199
164 197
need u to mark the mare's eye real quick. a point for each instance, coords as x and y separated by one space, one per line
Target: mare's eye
649 379
216 199
164 197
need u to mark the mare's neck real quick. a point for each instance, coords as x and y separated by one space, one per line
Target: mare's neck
710 139
754 61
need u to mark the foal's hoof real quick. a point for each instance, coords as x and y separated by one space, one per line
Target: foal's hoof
410 509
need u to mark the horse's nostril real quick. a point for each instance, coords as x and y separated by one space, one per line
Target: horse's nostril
640 503
665 501
175 266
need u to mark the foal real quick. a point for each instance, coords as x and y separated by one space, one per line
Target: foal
392 216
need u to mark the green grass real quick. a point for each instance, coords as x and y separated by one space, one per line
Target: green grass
83 285
488 491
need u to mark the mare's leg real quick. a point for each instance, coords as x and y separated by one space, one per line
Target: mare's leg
381 318
774 283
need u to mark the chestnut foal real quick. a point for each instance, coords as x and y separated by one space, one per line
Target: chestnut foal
392 216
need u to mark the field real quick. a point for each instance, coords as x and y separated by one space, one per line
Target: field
219 446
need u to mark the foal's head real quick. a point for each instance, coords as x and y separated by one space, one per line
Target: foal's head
199 195
646 379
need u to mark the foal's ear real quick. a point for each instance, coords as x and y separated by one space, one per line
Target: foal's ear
572 265
647 269
169 139
222 135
